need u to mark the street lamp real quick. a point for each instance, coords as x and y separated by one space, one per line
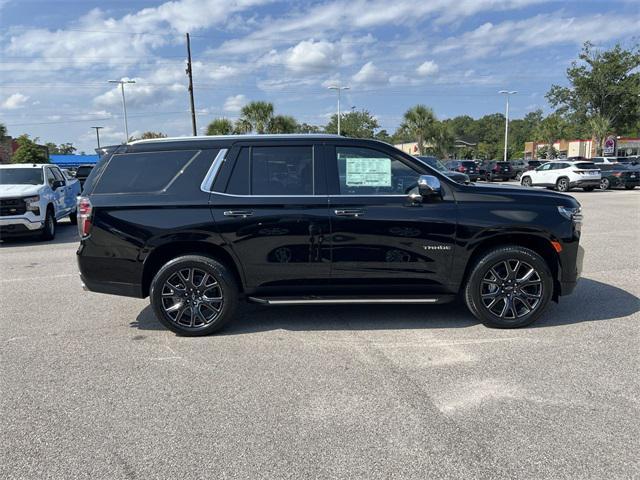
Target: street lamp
339 89
124 106
98 135
506 123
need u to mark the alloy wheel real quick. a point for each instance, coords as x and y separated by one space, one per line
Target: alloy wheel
192 298
563 185
604 184
511 289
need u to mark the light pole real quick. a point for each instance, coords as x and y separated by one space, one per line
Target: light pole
506 123
339 89
124 106
98 135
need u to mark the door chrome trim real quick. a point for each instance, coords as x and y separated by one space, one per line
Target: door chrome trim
319 301
207 182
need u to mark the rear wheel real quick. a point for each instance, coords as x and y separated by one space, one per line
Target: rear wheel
489 177
526 181
194 295
562 184
605 184
49 230
518 176
509 287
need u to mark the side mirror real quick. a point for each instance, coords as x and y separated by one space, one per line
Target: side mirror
429 186
57 184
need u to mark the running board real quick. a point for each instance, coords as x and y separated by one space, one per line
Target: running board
346 300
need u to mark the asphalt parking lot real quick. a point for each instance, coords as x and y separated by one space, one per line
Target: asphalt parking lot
91 386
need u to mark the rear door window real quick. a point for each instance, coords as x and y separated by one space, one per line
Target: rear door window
586 166
282 170
144 172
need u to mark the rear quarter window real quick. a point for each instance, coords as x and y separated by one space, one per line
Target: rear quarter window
143 172
586 165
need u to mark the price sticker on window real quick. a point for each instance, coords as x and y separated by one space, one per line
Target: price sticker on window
368 172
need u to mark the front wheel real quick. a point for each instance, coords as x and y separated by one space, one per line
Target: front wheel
562 185
49 230
509 287
526 181
605 184
194 295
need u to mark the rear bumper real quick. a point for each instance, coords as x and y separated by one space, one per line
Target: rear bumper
95 271
112 288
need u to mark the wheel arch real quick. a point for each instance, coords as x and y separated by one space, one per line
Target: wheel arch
163 253
538 243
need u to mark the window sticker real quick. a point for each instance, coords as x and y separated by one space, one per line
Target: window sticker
368 172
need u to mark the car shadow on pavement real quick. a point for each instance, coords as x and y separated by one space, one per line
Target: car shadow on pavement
65 233
591 301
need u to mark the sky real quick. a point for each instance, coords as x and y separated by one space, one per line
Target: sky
58 55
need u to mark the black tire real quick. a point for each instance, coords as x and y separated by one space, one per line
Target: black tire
73 218
562 184
605 184
526 181
489 177
193 294
512 296
629 187
49 229
588 189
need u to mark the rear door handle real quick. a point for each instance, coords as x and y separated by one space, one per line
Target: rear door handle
349 212
238 213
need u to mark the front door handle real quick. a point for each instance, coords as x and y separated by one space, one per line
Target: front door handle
238 213
349 212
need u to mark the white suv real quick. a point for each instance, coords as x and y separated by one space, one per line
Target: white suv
563 176
33 197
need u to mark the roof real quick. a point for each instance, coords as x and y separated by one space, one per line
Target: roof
23 165
203 138
73 160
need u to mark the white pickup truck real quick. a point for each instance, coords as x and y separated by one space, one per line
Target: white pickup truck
33 197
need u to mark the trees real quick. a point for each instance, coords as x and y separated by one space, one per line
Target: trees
220 126
62 149
442 141
599 127
419 122
29 151
605 83
282 124
258 115
3 130
549 130
148 135
355 124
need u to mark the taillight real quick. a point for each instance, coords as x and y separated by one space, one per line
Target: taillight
84 217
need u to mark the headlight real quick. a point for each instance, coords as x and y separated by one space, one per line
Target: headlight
32 203
573 214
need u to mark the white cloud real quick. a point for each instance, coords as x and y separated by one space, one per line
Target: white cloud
14 101
512 37
370 74
235 103
427 68
314 56
143 93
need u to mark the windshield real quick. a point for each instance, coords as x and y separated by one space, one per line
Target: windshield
434 163
21 176
83 171
469 164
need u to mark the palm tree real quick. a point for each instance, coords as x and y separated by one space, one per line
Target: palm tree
600 126
258 114
420 123
282 124
3 130
242 126
442 141
220 126
549 130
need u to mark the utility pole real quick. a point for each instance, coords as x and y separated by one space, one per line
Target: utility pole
98 135
339 89
506 123
124 106
190 74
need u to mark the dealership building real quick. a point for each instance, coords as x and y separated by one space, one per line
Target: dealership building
613 147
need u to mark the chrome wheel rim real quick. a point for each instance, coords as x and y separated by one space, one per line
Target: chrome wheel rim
526 182
192 298
604 184
511 289
562 185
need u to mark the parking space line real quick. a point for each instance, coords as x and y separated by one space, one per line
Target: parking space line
39 277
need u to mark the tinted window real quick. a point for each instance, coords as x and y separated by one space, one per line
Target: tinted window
83 171
364 171
57 174
598 160
21 176
469 164
143 172
239 180
282 170
586 165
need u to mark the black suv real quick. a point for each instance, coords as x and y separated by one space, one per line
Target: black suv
468 167
199 223
494 170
